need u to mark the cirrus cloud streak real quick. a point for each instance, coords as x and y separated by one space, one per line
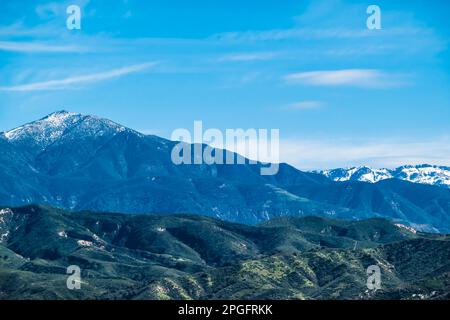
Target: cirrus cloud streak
368 78
80 80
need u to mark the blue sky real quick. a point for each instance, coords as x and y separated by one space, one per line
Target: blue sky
340 94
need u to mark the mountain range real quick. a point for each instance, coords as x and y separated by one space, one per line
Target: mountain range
425 174
81 162
126 256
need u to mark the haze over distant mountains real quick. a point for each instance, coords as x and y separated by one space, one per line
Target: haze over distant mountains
82 162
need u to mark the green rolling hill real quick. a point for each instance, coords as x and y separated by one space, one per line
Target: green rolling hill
195 257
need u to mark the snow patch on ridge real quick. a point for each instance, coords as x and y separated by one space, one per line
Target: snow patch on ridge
402 226
85 243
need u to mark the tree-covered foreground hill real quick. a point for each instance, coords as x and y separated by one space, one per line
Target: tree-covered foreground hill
195 257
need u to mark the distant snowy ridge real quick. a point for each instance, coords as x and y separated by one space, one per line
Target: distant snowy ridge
424 174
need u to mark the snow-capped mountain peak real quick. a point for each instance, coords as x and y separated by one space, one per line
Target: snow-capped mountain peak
428 174
425 174
49 129
45 130
364 174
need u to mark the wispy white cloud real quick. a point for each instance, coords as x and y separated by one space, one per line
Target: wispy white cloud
18 29
316 33
326 154
285 34
80 80
304 105
346 77
33 47
249 56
